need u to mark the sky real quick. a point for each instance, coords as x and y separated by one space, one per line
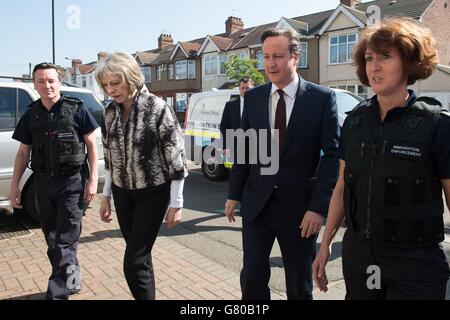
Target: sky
83 28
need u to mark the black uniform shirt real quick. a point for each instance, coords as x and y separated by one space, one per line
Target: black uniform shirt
84 121
441 137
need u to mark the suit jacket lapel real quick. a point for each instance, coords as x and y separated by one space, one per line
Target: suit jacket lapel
300 106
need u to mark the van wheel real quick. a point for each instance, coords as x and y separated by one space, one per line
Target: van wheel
29 204
212 170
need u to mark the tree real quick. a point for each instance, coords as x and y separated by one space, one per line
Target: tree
236 68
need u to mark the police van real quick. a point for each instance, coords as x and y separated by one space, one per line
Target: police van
15 97
202 127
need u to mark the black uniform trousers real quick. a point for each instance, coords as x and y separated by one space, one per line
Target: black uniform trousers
297 253
140 214
405 273
60 205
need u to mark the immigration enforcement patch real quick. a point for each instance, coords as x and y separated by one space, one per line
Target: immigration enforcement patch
406 152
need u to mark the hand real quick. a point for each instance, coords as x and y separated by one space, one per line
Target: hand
15 196
105 210
173 217
311 224
230 205
90 191
318 268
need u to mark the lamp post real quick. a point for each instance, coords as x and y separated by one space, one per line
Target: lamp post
53 29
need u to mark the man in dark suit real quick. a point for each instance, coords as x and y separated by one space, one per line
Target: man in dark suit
291 204
232 113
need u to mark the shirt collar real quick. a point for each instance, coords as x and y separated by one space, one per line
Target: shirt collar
55 107
396 112
290 90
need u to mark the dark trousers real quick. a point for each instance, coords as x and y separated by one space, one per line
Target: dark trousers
297 253
140 214
405 273
60 204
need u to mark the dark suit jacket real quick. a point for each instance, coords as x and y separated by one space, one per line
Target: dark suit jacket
303 184
231 118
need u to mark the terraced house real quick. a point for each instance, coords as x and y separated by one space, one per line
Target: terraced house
175 71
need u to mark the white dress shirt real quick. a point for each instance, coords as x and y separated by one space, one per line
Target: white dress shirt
290 93
242 106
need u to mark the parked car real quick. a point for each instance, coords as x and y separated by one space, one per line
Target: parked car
15 97
202 126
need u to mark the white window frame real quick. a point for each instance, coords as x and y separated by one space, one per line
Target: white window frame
221 64
181 70
170 71
147 72
347 43
359 89
260 58
192 69
211 62
303 53
159 71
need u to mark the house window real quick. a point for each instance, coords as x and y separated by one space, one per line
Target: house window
181 102
147 72
211 66
170 72
303 62
260 58
359 90
223 59
83 81
362 92
191 69
181 70
159 71
341 48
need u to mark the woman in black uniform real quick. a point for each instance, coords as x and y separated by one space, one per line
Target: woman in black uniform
395 162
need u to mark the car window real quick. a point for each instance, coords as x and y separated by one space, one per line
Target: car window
89 101
24 102
8 102
234 97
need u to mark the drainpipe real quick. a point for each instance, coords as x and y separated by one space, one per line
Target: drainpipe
318 60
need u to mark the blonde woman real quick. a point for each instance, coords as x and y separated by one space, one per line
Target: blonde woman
145 166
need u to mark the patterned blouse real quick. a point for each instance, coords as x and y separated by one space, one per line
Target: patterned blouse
147 150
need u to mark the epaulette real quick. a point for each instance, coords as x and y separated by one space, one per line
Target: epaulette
73 100
430 101
360 107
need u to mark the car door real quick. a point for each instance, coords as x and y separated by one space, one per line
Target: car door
13 104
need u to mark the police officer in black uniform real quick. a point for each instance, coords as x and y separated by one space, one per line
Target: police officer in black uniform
57 130
395 162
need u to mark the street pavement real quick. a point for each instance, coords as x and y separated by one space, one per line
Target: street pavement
197 260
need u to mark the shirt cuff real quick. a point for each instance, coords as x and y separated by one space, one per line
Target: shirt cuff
176 194
107 186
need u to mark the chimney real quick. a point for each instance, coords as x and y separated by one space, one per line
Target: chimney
102 55
350 3
164 40
76 62
233 24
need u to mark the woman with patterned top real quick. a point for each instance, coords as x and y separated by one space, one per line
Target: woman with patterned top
145 166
